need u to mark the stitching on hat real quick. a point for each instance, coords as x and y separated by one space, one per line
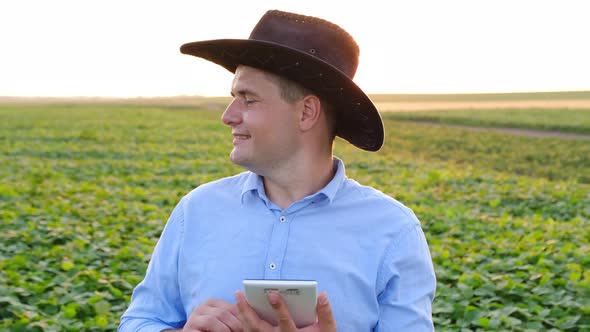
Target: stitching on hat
316 20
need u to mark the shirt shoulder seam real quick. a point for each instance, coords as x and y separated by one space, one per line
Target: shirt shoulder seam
384 197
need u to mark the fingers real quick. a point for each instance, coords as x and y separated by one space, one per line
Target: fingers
206 323
248 316
215 315
214 303
325 315
282 312
252 322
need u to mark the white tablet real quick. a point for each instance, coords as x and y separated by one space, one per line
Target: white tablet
299 295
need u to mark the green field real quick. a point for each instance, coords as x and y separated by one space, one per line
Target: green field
86 189
478 97
562 120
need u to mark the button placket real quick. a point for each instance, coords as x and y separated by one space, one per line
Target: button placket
277 245
273 266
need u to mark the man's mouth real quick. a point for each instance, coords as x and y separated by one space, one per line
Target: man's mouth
240 137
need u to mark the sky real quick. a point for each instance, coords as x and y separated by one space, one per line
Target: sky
130 48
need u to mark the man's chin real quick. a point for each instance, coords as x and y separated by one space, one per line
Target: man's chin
238 160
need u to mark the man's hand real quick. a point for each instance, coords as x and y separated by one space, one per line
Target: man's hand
214 316
252 323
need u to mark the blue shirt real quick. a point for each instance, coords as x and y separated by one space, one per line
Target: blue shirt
364 248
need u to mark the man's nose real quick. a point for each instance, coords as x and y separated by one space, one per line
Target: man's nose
232 115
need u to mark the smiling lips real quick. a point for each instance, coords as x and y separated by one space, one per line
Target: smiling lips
238 138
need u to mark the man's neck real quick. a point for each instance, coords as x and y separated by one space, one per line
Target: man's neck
298 180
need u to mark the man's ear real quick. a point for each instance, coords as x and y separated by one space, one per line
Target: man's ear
310 114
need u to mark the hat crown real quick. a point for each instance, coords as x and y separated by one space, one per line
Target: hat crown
311 35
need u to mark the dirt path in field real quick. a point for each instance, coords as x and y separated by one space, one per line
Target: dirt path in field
462 105
489 104
512 131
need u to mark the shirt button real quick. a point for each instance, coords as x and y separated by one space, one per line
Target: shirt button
272 266
282 218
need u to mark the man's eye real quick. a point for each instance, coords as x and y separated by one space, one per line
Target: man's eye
250 101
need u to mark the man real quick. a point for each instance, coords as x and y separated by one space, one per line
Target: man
293 214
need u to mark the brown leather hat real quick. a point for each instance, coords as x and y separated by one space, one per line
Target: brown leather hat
313 52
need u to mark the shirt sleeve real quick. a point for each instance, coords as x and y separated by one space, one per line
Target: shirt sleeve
406 302
156 303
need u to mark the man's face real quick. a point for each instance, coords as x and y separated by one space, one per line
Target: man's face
264 126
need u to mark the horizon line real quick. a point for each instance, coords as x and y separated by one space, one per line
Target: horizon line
228 96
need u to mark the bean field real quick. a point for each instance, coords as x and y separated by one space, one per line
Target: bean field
85 191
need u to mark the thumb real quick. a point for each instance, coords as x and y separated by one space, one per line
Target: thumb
325 315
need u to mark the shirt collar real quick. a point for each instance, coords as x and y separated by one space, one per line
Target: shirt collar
333 186
254 183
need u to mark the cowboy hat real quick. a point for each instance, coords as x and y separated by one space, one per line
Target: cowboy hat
313 52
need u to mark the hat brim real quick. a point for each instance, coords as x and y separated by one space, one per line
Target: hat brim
359 122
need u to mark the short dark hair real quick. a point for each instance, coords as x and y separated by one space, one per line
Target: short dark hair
292 91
